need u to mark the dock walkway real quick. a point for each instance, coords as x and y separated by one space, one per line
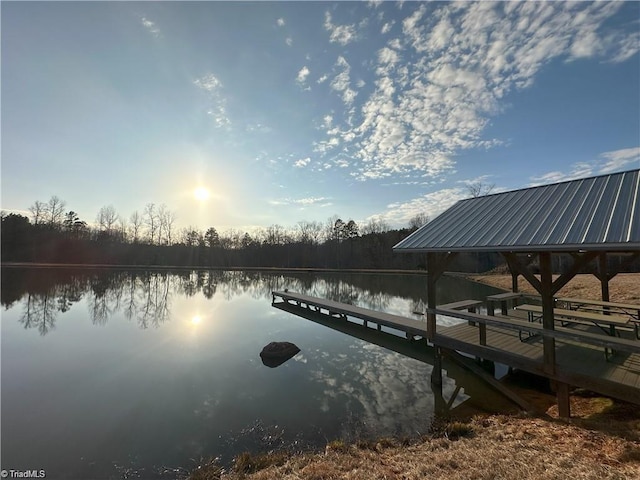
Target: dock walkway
579 353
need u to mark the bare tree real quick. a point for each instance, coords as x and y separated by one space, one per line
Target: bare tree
151 220
375 226
38 212
479 189
418 220
107 218
136 225
309 232
165 221
55 211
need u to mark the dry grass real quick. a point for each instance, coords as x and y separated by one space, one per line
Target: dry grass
500 447
624 287
601 441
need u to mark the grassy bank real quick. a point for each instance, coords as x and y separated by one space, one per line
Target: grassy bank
602 443
624 287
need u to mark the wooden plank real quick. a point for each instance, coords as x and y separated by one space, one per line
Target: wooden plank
505 296
405 324
462 304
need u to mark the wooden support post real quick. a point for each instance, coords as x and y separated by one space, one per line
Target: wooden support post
482 327
436 265
603 276
548 320
431 296
436 373
564 403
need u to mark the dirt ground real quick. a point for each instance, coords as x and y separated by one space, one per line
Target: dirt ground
624 287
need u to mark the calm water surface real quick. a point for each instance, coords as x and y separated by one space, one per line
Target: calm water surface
111 374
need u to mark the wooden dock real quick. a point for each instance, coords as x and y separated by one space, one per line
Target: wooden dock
580 358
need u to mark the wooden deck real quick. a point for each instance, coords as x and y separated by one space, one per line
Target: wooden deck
579 352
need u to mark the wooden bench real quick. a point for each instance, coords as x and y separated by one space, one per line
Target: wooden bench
564 334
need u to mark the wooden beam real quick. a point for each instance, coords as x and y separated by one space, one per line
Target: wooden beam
471 366
523 269
580 261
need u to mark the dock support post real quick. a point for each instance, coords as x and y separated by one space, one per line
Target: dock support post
436 373
548 320
562 395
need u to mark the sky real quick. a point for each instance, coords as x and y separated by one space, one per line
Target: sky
279 112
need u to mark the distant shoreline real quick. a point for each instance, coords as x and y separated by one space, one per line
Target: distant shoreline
204 267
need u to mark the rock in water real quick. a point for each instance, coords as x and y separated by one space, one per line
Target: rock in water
276 353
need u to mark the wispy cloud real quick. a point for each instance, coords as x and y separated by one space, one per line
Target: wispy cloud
303 162
150 26
288 41
341 81
619 159
606 162
304 202
342 34
280 22
217 103
301 78
432 204
447 72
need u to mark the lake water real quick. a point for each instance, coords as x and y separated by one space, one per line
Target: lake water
111 374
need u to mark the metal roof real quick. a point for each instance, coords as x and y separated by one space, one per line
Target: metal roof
597 213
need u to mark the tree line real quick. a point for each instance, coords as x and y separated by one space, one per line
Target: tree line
55 234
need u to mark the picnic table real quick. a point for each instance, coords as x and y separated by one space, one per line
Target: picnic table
600 306
565 316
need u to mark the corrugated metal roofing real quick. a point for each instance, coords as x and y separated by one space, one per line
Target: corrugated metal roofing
597 213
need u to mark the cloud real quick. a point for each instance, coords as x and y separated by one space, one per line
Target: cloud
432 204
303 162
342 34
217 103
150 27
446 73
280 22
578 170
301 78
288 41
607 162
305 202
341 81
323 78
386 28
619 159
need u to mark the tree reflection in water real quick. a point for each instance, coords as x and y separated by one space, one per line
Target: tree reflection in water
146 295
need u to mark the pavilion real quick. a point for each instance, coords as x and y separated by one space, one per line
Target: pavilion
587 220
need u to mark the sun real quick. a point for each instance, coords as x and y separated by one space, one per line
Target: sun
196 320
201 194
